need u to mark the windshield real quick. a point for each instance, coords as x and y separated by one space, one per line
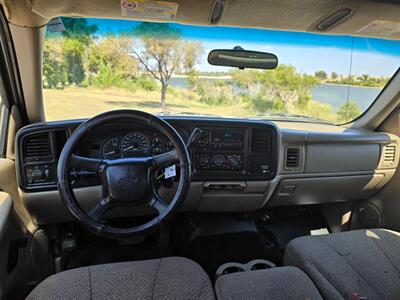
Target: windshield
92 65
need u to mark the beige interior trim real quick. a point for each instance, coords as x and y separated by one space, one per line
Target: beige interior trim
19 12
5 212
14 124
28 44
8 184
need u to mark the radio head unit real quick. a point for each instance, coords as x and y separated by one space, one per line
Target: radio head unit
240 152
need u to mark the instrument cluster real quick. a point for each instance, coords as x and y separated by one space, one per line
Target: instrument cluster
135 143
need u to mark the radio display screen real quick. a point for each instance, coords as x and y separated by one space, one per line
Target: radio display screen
228 136
227 139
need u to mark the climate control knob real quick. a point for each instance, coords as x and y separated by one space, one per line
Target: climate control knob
234 161
203 161
218 160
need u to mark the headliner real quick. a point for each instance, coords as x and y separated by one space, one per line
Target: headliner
291 15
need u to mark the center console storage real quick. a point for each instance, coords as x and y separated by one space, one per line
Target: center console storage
280 283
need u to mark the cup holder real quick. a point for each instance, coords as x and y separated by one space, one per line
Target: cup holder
261 264
232 267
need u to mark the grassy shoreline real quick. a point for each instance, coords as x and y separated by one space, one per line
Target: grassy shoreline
84 102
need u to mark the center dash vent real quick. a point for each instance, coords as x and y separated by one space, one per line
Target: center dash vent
292 159
37 148
260 141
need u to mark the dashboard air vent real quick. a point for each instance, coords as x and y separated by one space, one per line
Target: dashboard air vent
37 148
260 141
389 155
292 158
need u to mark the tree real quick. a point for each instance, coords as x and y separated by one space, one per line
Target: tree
287 84
77 36
334 75
161 52
73 51
113 51
192 52
54 70
348 111
78 29
321 75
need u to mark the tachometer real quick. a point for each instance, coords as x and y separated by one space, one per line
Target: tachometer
111 149
135 143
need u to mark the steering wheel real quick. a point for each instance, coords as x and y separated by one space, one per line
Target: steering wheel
128 181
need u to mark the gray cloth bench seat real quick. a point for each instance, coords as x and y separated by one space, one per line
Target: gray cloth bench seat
165 278
349 265
284 283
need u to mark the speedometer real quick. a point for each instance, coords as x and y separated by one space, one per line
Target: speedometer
135 143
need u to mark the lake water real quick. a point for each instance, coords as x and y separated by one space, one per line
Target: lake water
335 95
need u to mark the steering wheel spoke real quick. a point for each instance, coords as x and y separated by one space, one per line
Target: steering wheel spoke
87 163
97 212
166 158
158 204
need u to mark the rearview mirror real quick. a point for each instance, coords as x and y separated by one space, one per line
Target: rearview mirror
242 59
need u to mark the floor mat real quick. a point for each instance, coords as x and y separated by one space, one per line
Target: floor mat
292 223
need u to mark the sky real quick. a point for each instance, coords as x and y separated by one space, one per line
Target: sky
308 52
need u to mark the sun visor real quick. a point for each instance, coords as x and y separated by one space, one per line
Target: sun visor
196 12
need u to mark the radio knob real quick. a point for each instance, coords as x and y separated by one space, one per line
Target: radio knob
234 161
218 160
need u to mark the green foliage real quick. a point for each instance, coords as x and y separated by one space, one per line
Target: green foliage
215 93
54 69
113 50
262 105
64 55
321 75
348 111
149 30
363 80
146 84
107 77
283 88
192 79
78 29
317 110
73 51
245 78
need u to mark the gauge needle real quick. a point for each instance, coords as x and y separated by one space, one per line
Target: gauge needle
108 153
129 148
